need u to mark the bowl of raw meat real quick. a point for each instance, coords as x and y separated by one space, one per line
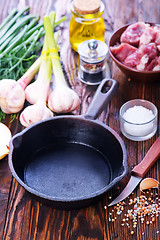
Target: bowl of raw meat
135 48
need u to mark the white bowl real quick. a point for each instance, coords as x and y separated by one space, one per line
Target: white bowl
138 119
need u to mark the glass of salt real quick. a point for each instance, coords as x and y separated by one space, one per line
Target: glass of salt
138 119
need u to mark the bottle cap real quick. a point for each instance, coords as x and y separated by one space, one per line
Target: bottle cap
86 6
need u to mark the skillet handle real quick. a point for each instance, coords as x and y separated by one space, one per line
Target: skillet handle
102 97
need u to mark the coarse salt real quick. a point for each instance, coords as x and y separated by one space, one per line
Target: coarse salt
139 121
142 210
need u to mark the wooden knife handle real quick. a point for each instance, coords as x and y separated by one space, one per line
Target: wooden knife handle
150 158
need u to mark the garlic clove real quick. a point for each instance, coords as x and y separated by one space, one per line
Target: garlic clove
5 137
148 183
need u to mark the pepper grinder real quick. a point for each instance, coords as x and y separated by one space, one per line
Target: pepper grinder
92 61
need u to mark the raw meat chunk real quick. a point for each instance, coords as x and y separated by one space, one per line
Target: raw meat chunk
148 53
143 58
122 51
149 49
157 40
154 65
148 36
133 32
139 47
133 60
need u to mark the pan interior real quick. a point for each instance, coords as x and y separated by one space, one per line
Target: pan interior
67 171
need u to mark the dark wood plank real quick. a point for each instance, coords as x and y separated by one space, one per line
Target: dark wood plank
6 177
5 181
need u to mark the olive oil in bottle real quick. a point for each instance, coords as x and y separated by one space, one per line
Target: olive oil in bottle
86 22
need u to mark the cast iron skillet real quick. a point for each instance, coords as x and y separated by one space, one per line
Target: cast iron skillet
70 161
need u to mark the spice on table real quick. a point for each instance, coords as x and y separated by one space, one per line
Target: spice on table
143 209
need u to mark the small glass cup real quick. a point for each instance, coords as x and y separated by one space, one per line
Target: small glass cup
138 131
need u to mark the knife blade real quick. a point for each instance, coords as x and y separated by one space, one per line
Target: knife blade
139 171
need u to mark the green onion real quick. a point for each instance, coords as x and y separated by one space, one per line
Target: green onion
61 20
62 99
16 27
28 50
14 43
20 44
7 19
12 22
2 116
37 92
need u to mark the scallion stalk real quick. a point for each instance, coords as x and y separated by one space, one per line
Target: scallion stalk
62 99
14 43
64 18
36 93
28 50
12 22
20 44
56 65
7 19
16 27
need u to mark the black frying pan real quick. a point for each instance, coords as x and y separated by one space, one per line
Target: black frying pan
70 161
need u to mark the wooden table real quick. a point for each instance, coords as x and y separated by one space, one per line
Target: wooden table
21 217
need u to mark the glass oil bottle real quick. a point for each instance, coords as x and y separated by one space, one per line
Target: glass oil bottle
86 26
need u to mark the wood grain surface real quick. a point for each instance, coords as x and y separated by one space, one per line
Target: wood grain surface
23 218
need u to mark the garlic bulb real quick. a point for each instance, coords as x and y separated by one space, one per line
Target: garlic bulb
34 113
63 99
12 96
